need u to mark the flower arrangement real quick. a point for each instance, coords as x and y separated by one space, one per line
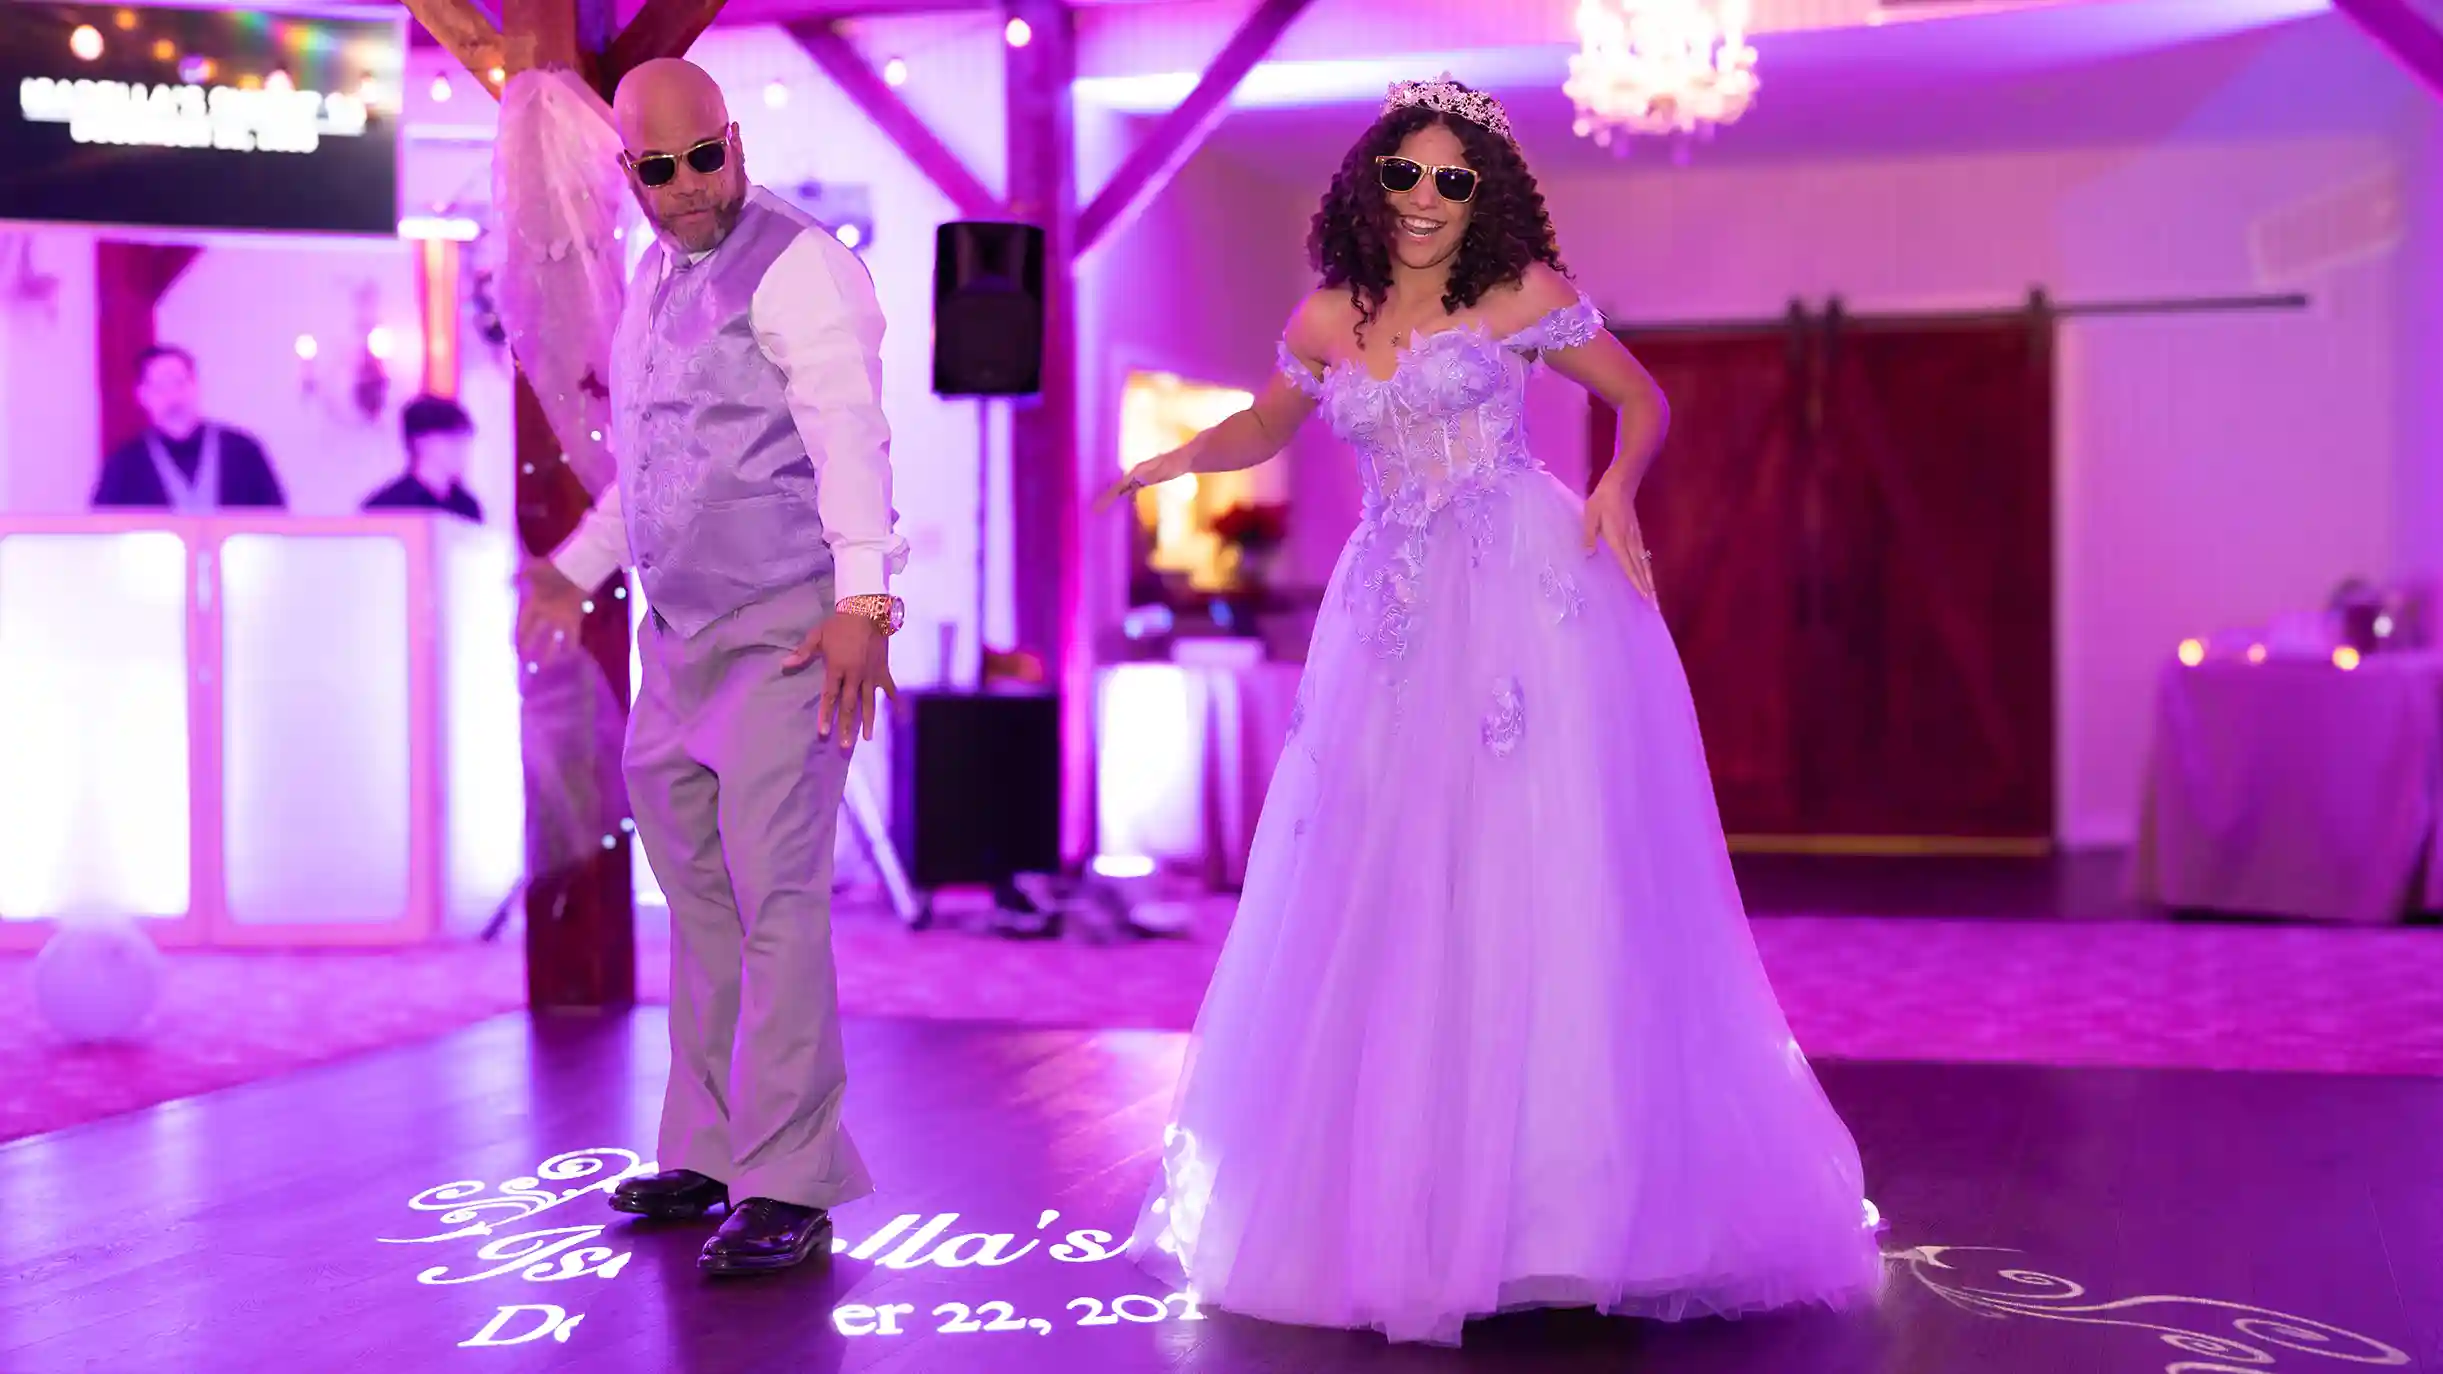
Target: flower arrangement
1253 526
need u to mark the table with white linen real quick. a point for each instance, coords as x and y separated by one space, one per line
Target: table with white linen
2297 788
1184 753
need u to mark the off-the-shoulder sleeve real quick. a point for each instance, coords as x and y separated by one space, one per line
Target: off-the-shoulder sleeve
1567 327
1295 368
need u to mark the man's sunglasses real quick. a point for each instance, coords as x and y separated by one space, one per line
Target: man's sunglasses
1400 175
659 169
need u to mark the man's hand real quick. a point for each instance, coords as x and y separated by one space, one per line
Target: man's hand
551 613
856 663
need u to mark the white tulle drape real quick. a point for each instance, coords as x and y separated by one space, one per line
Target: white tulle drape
563 211
563 215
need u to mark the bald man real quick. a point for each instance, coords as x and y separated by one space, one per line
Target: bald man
754 501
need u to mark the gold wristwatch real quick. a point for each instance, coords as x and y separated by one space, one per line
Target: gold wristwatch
886 612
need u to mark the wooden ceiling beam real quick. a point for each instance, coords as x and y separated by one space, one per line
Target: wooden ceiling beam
556 33
466 31
663 28
875 99
2406 34
1150 165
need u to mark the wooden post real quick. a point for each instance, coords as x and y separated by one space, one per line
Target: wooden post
580 912
580 905
580 888
1043 457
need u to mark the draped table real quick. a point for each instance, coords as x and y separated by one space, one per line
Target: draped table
1185 751
2296 788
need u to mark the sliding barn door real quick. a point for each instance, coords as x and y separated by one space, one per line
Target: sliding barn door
1852 531
1720 513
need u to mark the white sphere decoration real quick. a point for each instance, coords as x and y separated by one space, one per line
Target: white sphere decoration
97 977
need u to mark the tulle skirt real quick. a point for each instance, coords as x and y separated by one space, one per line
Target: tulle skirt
1490 1030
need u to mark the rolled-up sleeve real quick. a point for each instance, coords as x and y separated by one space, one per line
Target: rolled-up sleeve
816 317
598 546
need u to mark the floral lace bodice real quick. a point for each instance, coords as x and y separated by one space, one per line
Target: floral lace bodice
1436 439
1451 418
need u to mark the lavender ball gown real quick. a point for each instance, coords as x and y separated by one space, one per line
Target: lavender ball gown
1490 1031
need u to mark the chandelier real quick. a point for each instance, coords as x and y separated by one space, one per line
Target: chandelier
1660 67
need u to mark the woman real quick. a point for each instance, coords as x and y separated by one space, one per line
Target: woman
1490 1031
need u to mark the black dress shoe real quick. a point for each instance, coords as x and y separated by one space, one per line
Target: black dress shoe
671 1195
761 1235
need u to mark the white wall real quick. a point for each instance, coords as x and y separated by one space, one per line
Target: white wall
50 408
241 308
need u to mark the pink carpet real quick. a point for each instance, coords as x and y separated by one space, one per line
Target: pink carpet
2143 994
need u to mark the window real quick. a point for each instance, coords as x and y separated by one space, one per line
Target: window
1177 550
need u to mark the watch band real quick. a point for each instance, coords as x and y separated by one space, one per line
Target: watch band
886 612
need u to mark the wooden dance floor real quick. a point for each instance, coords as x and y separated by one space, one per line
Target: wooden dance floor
440 1207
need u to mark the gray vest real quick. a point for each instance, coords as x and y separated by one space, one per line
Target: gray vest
717 488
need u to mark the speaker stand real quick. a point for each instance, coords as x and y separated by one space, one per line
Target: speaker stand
875 836
983 528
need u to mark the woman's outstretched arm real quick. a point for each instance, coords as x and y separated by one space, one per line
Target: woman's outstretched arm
1257 434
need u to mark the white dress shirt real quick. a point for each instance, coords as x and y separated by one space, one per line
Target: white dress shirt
816 318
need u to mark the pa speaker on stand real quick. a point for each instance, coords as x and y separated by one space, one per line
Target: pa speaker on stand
975 788
987 309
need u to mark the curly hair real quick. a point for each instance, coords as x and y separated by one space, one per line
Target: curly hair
1350 239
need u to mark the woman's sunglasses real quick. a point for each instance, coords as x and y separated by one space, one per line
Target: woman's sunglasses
1400 175
659 169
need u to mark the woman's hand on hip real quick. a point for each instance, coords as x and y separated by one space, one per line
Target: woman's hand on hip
1611 519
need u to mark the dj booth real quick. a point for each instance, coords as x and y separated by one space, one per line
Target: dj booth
260 730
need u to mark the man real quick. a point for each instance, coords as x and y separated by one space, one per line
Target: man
754 473
437 433
183 462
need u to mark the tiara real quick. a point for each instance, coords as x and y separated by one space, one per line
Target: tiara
1450 98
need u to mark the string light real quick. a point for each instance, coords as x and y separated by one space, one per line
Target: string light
776 94
2192 652
2345 658
307 348
442 89
895 72
1017 34
86 42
